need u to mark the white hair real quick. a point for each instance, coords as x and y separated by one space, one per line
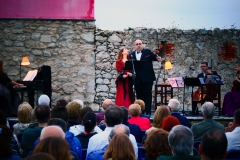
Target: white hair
174 104
52 131
79 101
43 100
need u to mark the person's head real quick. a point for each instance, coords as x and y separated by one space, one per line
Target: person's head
141 104
5 141
106 103
1 66
113 116
174 104
40 156
55 146
62 102
3 119
52 131
213 145
180 139
43 100
79 101
236 118
117 129
74 109
125 114
120 148
161 112
204 66
123 52
58 122
208 110
135 110
25 113
42 113
138 45
89 121
59 112
169 122
156 144
238 68
83 112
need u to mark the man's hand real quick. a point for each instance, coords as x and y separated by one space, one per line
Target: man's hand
129 74
125 76
230 127
209 71
159 58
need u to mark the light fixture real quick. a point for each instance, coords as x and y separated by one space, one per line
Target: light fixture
24 62
167 65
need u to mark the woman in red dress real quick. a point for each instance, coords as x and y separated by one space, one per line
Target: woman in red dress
124 94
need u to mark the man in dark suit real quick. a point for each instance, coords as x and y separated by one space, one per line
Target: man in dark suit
205 71
144 76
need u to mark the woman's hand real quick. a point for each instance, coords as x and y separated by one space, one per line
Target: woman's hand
125 76
129 74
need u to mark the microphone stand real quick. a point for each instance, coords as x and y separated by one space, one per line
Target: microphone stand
133 77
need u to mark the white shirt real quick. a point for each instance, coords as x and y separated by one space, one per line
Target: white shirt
138 55
100 140
77 129
233 139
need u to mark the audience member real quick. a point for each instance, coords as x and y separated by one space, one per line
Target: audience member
213 145
77 129
74 110
169 122
181 141
199 129
89 122
24 118
157 144
142 105
174 104
79 101
161 112
120 148
52 131
55 146
113 116
30 135
142 122
40 156
106 103
117 129
43 100
233 132
62 102
6 152
134 129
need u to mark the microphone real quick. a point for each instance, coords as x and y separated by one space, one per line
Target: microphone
191 69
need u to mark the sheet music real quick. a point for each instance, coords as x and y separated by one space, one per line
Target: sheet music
176 82
30 75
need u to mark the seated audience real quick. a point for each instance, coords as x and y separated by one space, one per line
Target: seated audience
199 129
89 122
77 129
117 129
161 112
181 141
213 145
157 144
169 122
100 116
113 116
74 110
233 132
62 102
55 146
52 131
142 122
6 152
142 105
30 135
43 100
120 148
24 118
40 156
174 104
79 101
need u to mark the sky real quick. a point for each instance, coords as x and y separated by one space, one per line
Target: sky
181 14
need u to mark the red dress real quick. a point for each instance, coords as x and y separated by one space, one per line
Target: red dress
124 93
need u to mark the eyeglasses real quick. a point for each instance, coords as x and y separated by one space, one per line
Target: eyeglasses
138 44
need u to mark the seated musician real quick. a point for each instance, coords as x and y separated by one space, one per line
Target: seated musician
205 71
6 91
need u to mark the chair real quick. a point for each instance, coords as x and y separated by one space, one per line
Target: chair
141 153
84 153
233 154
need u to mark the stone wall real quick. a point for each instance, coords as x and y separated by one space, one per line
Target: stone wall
66 46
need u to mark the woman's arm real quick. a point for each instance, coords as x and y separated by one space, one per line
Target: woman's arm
15 83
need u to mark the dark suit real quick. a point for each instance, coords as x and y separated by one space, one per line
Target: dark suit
144 78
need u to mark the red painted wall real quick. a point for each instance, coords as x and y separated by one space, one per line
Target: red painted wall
47 9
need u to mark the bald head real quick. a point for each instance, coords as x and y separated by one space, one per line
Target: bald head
106 103
121 128
138 45
52 131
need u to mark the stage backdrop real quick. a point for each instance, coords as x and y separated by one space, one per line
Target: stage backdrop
47 9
